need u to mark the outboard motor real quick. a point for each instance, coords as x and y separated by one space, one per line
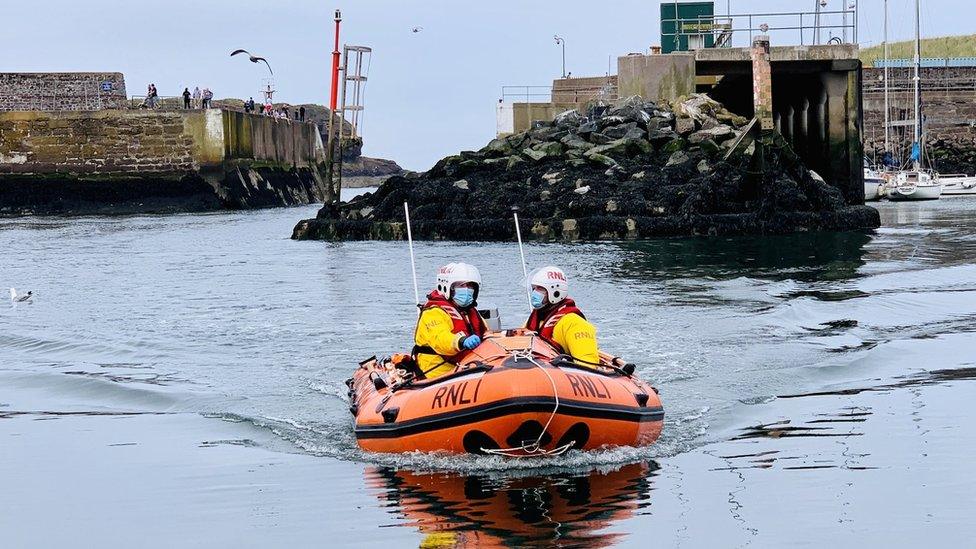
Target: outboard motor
492 320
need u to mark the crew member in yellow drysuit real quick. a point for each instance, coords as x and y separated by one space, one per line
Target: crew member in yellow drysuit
556 318
449 326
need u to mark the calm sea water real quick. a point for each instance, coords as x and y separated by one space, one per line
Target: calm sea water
784 363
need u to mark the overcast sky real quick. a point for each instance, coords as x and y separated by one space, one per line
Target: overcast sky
430 93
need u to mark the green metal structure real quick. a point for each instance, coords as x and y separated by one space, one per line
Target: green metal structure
687 25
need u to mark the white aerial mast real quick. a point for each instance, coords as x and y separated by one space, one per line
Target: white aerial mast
918 94
887 110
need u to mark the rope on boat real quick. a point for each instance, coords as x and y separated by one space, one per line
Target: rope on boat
534 448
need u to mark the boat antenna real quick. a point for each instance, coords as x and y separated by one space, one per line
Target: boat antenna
525 271
917 164
413 262
887 107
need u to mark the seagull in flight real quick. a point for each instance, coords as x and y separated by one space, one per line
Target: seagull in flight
254 59
415 30
20 298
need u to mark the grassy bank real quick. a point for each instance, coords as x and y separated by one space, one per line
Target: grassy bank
943 46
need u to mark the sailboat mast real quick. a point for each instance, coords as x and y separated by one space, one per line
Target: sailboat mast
918 95
887 109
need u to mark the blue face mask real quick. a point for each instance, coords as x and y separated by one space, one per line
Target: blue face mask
538 299
463 297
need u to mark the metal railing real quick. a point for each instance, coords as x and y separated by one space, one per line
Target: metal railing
723 28
162 101
541 94
926 62
575 94
895 85
561 94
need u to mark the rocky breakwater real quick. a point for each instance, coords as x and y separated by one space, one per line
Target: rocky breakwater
360 171
637 170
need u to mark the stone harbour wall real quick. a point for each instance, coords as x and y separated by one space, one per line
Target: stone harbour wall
115 161
101 142
949 109
67 91
126 142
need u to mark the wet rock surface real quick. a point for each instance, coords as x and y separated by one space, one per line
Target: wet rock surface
637 169
234 188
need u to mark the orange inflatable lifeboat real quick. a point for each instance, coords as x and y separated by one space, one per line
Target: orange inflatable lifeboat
514 395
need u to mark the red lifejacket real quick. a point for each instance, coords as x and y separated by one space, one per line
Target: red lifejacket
468 321
543 321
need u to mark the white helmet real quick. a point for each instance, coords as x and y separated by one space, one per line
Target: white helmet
553 279
455 273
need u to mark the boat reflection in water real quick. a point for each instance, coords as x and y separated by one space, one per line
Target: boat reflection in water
463 510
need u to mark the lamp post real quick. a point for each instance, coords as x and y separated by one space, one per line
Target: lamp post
561 42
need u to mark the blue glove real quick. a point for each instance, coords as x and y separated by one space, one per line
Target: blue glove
471 342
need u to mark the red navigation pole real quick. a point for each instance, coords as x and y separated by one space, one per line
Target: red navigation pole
335 64
331 194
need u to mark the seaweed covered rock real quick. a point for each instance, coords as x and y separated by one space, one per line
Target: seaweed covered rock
638 170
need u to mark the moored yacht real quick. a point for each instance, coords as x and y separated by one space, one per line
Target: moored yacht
914 185
872 185
957 184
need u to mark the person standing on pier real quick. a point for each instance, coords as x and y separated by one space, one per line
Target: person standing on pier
151 96
557 319
186 98
449 326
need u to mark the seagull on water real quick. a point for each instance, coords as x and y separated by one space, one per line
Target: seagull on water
20 298
254 59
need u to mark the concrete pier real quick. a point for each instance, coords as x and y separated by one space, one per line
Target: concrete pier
813 94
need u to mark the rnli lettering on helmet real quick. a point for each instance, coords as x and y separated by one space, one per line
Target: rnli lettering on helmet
583 386
555 275
455 394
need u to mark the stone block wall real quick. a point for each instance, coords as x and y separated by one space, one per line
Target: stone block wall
524 114
949 110
133 161
582 90
140 142
102 142
69 91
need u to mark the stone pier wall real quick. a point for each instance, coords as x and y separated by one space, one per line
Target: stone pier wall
124 161
61 91
90 143
127 142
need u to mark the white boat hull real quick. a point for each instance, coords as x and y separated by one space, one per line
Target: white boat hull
958 186
872 189
915 192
